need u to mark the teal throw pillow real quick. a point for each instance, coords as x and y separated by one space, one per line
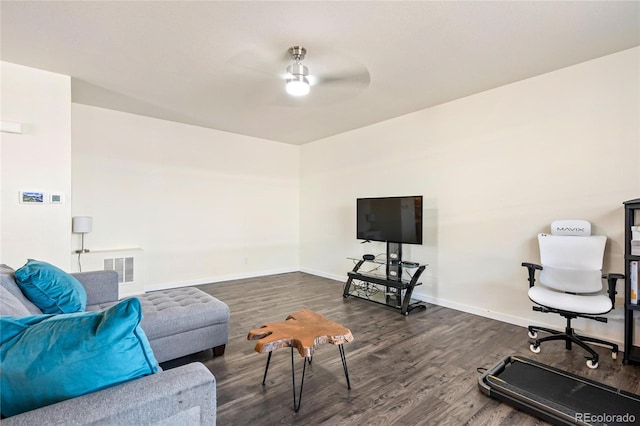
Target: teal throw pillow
49 358
50 288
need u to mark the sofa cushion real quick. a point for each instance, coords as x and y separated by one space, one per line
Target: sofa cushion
50 288
9 305
49 358
8 282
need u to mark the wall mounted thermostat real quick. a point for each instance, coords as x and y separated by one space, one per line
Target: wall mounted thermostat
56 198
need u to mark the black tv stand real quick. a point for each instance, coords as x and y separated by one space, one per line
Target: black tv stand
390 289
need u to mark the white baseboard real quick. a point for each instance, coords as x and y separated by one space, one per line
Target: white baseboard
125 294
342 278
217 279
510 319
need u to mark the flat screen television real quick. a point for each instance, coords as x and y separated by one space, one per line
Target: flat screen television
390 219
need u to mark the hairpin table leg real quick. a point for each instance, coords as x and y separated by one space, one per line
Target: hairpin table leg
296 405
343 357
264 378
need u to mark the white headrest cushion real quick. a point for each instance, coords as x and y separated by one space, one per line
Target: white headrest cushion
576 227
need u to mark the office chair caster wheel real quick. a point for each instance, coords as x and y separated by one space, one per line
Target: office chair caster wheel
533 334
591 364
534 348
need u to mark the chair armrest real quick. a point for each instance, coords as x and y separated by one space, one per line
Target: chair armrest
532 267
612 280
182 395
101 286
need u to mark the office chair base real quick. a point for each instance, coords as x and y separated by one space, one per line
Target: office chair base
569 337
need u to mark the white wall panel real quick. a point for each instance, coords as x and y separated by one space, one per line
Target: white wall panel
495 169
201 203
39 159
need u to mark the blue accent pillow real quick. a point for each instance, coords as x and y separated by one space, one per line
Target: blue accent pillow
50 288
49 358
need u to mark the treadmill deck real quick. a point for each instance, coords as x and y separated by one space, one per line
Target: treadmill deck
557 396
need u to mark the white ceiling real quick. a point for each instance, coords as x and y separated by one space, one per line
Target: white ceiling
220 64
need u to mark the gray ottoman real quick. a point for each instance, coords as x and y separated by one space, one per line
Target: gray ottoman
183 321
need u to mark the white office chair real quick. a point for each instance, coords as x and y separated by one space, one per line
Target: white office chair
571 274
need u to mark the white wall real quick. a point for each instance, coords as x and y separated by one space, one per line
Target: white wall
494 169
40 160
203 205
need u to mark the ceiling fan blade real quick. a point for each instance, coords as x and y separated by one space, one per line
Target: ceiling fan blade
359 78
260 61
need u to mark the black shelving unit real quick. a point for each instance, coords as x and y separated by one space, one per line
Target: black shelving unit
631 352
390 289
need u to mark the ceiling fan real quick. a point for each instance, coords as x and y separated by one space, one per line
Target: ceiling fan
297 82
331 76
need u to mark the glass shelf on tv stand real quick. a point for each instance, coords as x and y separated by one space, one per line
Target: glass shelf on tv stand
376 286
405 264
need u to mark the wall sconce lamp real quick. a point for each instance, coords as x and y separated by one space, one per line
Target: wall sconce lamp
82 225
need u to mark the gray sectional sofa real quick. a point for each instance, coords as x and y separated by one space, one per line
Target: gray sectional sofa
177 322
184 395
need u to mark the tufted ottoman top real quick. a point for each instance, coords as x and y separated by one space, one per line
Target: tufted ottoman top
173 311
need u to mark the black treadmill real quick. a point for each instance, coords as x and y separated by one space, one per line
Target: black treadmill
557 396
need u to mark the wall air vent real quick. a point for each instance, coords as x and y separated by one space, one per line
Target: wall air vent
123 266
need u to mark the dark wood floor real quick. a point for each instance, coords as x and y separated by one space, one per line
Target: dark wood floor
415 370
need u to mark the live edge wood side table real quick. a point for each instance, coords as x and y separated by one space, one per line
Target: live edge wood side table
304 330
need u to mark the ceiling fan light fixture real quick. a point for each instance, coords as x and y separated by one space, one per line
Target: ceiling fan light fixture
297 85
297 82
